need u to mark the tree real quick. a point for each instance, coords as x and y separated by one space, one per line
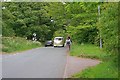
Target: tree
21 18
109 26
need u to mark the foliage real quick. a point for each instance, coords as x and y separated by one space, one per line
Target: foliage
82 13
13 44
77 19
80 20
83 34
7 31
23 19
83 21
60 33
108 26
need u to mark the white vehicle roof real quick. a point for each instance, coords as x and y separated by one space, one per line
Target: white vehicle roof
58 37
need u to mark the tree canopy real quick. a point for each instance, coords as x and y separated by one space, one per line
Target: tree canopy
80 20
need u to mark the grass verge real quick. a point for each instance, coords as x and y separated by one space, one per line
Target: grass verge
107 69
102 70
15 44
87 51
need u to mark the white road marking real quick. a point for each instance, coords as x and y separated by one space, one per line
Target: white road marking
65 71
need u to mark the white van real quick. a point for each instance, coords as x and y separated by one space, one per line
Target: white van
58 41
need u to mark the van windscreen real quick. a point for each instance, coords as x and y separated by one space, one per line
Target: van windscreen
58 38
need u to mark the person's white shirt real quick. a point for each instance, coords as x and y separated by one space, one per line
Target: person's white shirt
68 40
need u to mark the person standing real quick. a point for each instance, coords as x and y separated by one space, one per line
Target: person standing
68 42
34 37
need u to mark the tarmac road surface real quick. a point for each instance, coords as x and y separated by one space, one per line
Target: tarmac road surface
46 62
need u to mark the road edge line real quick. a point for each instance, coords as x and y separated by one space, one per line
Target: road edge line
65 70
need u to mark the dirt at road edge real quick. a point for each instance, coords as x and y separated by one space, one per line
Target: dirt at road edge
77 64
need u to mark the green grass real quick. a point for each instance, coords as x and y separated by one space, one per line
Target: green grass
102 70
88 51
15 44
108 68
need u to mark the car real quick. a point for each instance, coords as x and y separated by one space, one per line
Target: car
58 41
49 43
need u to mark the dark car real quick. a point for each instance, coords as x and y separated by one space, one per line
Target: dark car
49 43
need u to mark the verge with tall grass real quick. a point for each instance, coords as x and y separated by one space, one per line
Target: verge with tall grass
87 51
15 44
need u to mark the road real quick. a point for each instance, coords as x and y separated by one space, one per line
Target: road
36 63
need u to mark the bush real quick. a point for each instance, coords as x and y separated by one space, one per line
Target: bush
60 33
108 26
13 44
83 34
7 31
